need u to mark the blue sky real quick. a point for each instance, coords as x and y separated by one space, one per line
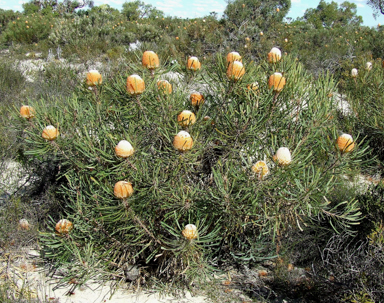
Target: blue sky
200 8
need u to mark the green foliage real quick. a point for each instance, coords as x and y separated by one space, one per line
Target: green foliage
115 52
366 98
361 297
256 13
56 82
372 205
135 10
93 34
28 29
30 8
241 218
5 17
49 6
12 82
330 15
212 186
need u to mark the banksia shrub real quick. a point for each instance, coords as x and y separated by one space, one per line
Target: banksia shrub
365 95
28 30
205 175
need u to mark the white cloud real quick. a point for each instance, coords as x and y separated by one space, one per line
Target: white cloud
116 2
191 9
296 1
207 7
113 3
168 6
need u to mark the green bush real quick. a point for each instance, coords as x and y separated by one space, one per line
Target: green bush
12 83
28 29
5 17
365 95
240 215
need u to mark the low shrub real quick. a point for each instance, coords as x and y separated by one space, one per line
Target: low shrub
238 215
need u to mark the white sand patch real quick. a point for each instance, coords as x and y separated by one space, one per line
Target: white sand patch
12 177
34 280
342 104
29 68
174 78
134 46
361 183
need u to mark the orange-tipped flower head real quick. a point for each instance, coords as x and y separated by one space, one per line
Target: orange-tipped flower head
150 60
235 71
164 87
277 82
183 141
135 85
50 133
233 56
123 189
94 78
190 232
274 55
345 143
27 111
186 118
193 64
63 227
197 99
124 149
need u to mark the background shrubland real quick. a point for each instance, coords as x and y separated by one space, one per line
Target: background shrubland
312 229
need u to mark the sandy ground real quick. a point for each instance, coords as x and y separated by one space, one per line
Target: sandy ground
97 293
25 275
